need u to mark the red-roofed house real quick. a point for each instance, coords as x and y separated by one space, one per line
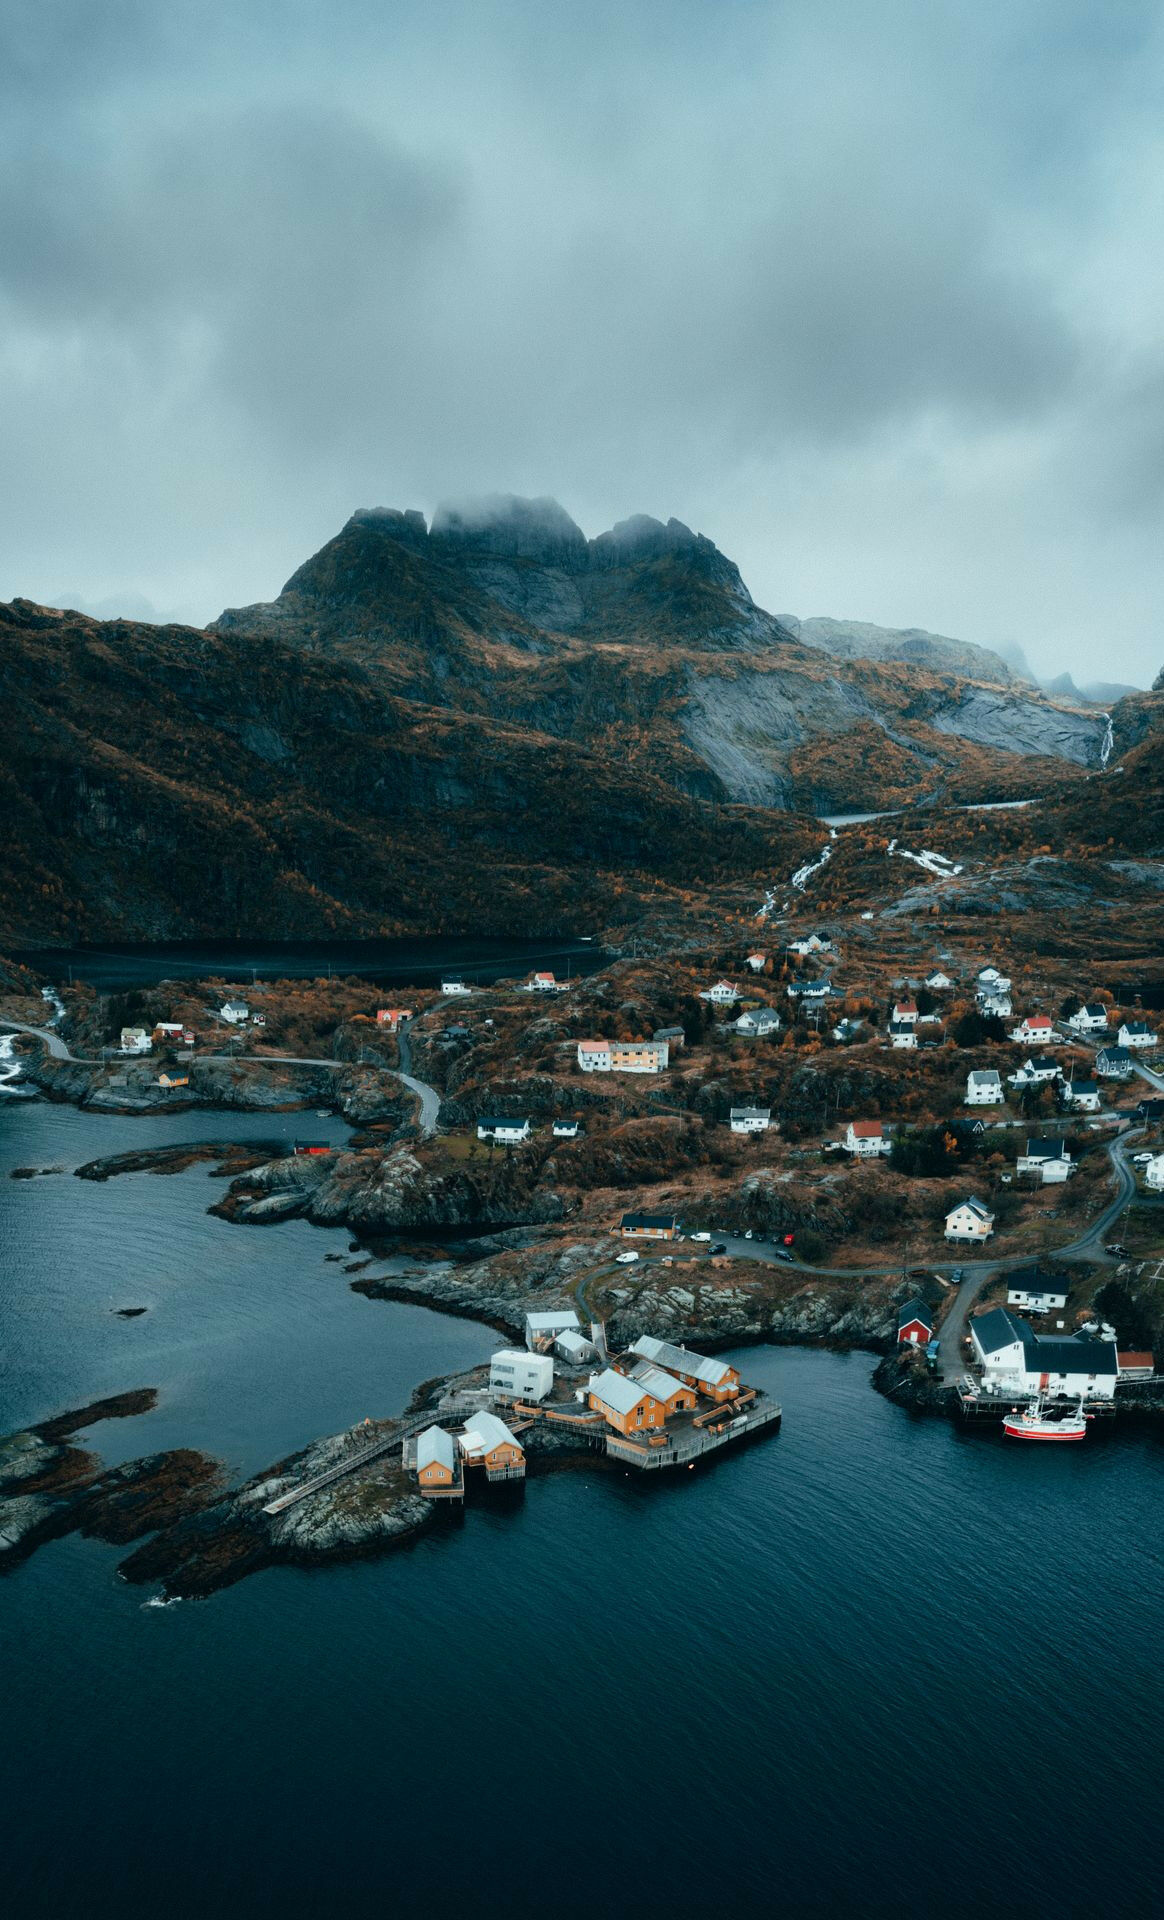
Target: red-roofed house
865 1137
1035 1031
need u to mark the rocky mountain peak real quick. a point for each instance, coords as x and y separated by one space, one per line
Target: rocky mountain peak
512 528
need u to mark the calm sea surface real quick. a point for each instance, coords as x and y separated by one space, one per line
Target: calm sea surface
873 1666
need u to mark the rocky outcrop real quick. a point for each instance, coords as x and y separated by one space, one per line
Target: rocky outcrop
374 1192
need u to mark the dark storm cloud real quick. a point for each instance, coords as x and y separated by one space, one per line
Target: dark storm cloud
869 294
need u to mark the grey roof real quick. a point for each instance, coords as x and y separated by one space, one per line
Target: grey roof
669 1033
434 1444
574 1342
976 1206
984 1076
551 1322
655 1380
680 1359
751 1113
485 1431
617 1392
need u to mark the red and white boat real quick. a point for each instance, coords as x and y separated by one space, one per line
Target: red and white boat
1035 1423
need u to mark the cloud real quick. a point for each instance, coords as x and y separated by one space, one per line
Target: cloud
868 295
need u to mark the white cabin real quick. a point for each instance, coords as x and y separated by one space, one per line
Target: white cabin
984 1088
723 994
1089 1019
866 1138
1136 1033
235 1012
506 1133
750 1119
455 987
757 1022
135 1040
1081 1095
521 1375
1035 1030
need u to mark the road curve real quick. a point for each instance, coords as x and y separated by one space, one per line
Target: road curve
52 1041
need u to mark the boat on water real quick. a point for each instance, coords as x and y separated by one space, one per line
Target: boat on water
1036 1423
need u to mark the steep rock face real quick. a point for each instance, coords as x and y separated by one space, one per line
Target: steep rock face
1022 726
861 640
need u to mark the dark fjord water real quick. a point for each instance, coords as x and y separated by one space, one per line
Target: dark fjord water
415 961
873 1666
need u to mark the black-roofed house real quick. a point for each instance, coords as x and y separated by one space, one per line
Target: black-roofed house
1016 1359
1036 1292
915 1324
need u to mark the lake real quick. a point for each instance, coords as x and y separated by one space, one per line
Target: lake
414 961
873 1666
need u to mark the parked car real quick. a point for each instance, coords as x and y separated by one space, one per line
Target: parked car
1119 1250
719 1247
627 1259
707 1236
748 1234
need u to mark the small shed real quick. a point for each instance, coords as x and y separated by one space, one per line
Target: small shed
915 1324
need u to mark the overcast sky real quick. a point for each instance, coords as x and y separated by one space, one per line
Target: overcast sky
871 294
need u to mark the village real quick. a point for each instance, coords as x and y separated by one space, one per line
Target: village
782 1119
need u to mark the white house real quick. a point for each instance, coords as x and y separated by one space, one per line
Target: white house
482 1435
1035 1030
970 1220
546 1326
623 1056
1015 1359
1081 1095
750 1119
566 1129
135 1040
757 1022
866 1138
523 1376
1089 1019
1136 1033
939 981
1154 1173
990 980
1050 1159
723 994
455 987
809 989
905 1013
1034 1073
235 1012
544 983
757 962
984 1088
812 943
506 1133
903 1035
995 1006
1038 1293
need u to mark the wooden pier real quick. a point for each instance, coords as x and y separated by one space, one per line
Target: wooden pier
682 1446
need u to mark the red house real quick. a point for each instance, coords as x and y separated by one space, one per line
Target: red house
915 1324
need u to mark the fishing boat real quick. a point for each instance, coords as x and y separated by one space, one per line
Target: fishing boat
1035 1423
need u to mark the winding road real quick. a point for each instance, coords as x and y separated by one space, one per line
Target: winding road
430 1100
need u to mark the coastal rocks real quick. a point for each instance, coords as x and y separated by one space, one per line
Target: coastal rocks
903 1377
374 1192
231 1157
364 1511
48 1488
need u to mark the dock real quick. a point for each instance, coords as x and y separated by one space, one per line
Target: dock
682 1446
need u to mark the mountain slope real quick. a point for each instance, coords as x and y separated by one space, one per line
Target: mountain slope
646 642
913 646
159 782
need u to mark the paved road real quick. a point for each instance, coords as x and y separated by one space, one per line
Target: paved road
430 1100
53 1041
